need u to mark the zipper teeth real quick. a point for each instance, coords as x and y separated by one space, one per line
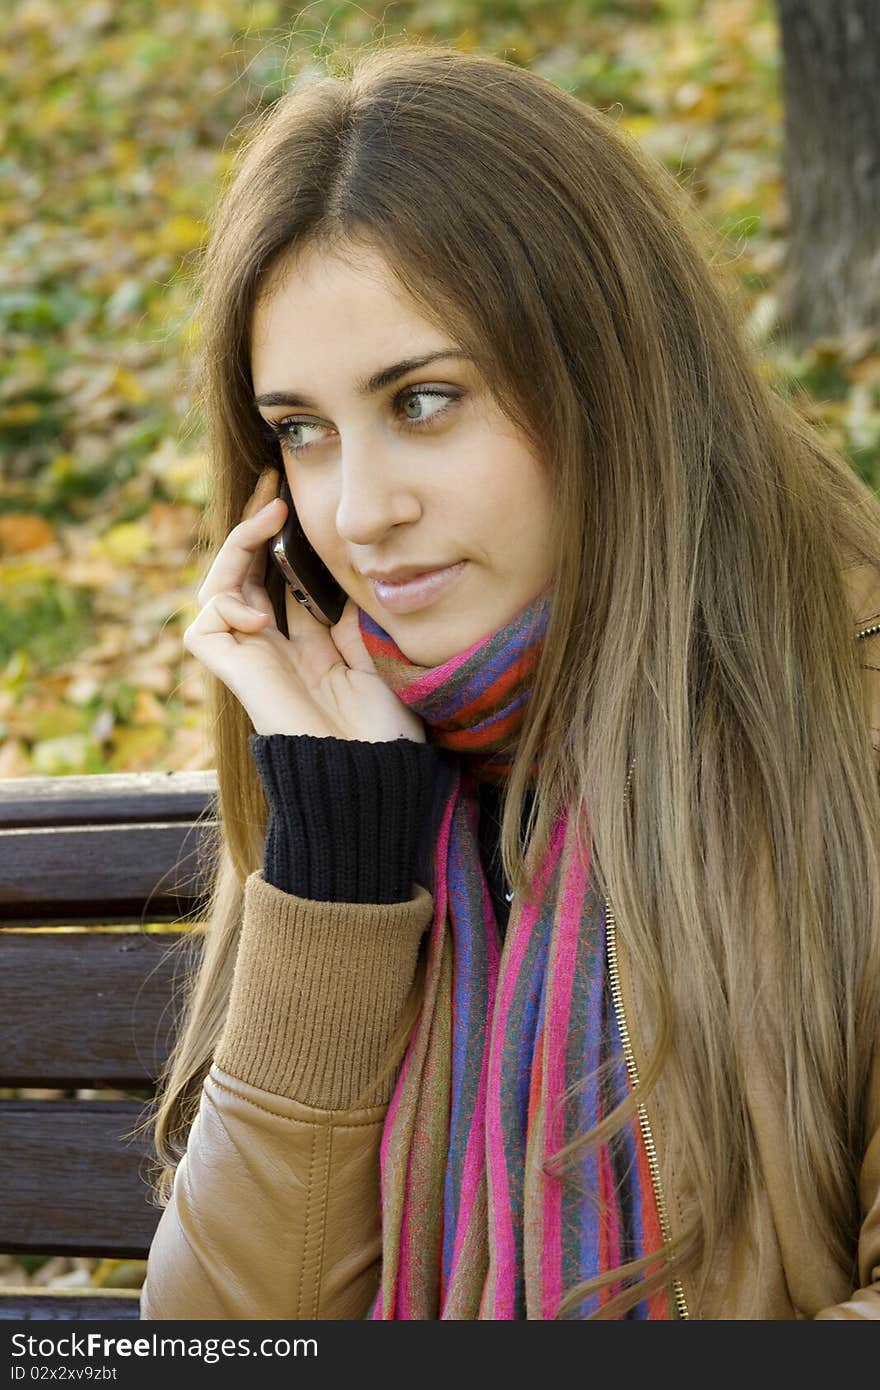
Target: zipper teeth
629 1056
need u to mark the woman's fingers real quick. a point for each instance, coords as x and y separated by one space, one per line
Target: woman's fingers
265 489
242 557
254 584
224 613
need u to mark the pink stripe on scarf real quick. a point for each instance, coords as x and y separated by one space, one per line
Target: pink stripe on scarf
429 682
503 1258
557 1017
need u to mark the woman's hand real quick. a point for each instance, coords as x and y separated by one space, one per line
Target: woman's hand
319 680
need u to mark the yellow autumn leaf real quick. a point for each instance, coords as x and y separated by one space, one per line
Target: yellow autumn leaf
24 573
699 101
468 40
22 413
120 1274
125 153
182 233
261 15
55 721
638 125
523 49
142 244
185 472
61 466
49 117
137 748
96 221
126 384
125 542
32 359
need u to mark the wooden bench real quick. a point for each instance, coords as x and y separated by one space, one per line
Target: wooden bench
88 1009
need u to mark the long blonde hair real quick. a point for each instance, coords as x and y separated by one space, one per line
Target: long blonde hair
700 623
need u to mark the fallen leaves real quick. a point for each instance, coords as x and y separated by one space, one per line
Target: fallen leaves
24 532
117 125
100 500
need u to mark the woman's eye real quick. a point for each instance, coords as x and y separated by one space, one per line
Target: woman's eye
411 397
282 430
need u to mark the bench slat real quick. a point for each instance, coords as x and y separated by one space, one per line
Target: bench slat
90 1009
87 1009
71 1180
104 873
25 1305
105 797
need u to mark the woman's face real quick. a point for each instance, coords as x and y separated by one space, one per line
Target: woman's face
420 470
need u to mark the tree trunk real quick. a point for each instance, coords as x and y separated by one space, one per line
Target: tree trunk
830 283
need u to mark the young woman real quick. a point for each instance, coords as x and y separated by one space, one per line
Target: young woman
542 976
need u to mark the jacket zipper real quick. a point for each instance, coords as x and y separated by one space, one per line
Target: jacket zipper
681 1307
632 1069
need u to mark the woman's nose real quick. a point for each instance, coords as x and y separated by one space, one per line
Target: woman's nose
373 496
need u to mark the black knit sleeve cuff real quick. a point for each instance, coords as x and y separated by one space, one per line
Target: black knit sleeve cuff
345 816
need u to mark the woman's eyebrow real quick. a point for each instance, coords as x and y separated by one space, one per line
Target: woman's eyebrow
366 387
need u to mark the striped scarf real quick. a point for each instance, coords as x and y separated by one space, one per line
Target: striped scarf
472 1226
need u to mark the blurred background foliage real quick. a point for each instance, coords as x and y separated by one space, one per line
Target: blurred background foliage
120 119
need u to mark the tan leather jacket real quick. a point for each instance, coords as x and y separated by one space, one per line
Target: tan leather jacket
275 1209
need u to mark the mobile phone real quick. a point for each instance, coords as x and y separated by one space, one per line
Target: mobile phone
308 578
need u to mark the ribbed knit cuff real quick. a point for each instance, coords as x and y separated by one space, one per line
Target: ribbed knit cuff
345 816
318 992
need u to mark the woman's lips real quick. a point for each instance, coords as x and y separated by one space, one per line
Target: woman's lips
418 592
